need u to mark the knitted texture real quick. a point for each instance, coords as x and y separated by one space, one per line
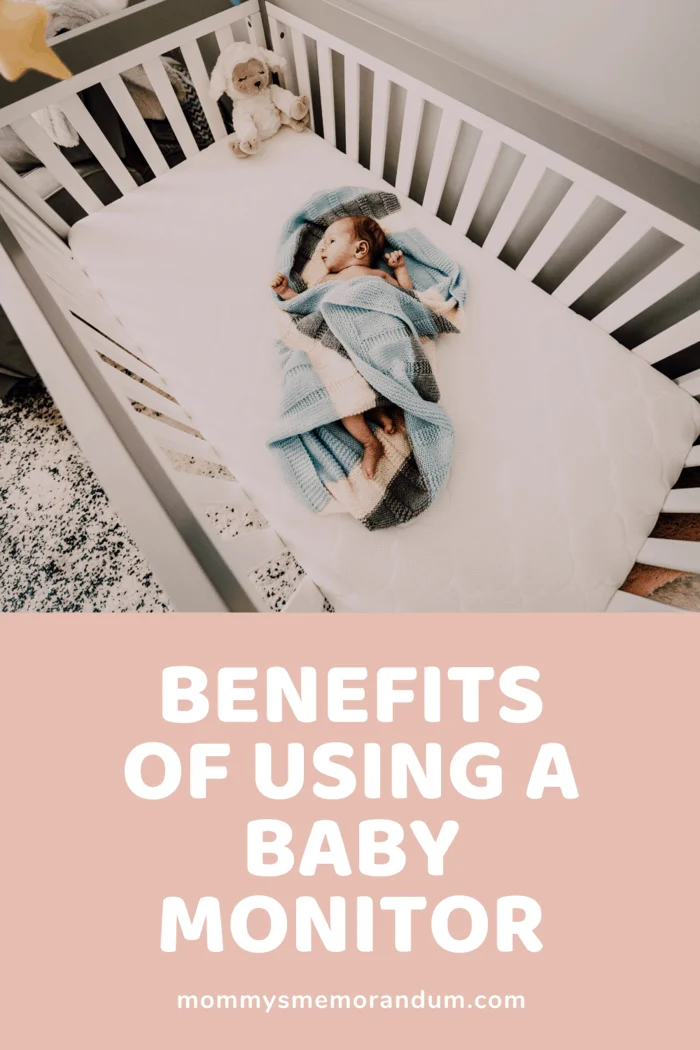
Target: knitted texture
348 346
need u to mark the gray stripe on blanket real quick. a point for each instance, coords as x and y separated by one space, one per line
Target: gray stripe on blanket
423 376
376 204
405 498
316 327
442 324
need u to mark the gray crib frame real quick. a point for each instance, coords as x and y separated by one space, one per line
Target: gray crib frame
184 557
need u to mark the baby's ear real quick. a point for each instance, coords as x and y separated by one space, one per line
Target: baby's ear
361 249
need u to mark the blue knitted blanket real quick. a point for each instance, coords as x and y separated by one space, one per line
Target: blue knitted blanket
346 347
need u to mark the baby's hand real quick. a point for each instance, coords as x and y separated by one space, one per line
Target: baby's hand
279 284
395 260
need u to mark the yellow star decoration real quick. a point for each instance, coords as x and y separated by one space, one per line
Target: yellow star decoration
22 42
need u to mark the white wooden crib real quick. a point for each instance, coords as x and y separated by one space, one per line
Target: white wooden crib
167 476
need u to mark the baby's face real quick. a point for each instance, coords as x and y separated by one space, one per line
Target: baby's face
338 247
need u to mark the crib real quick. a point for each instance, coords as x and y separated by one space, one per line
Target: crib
136 320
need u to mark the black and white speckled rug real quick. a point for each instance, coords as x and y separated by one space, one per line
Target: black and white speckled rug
62 548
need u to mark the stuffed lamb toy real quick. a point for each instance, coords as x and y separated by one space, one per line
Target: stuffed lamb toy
243 71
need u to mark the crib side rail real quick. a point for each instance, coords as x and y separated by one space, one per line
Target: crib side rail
636 275
218 23
625 264
622 262
133 497
208 546
199 44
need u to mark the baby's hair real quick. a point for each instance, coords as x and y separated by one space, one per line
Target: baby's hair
367 229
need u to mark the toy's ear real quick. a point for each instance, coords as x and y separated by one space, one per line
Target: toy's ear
217 84
275 63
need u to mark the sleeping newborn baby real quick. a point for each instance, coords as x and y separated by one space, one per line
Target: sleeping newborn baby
351 248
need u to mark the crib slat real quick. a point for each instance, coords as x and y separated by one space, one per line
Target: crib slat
627 232
276 32
380 123
224 37
169 101
201 489
32 226
441 161
410 133
325 80
200 78
256 32
14 182
136 391
121 357
95 316
51 157
693 457
671 554
306 598
251 550
91 309
28 222
691 383
65 273
682 501
559 225
301 63
623 602
680 267
127 109
90 133
479 174
525 183
44 262
42 256
165 436
77 293
352 109
102 345
683 334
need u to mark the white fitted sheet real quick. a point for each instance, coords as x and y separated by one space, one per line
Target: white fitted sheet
567 444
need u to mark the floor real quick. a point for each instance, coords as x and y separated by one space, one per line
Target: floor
62 548
683 592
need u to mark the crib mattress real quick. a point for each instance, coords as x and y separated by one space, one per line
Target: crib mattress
567 444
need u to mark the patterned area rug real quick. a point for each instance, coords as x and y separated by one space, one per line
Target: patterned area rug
62 548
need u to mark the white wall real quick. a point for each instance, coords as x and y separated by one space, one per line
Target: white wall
633 65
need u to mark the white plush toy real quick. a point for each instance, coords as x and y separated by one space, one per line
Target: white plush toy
244 71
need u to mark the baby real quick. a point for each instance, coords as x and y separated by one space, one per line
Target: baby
351 248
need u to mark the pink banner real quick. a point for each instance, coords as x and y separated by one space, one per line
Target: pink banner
607 854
